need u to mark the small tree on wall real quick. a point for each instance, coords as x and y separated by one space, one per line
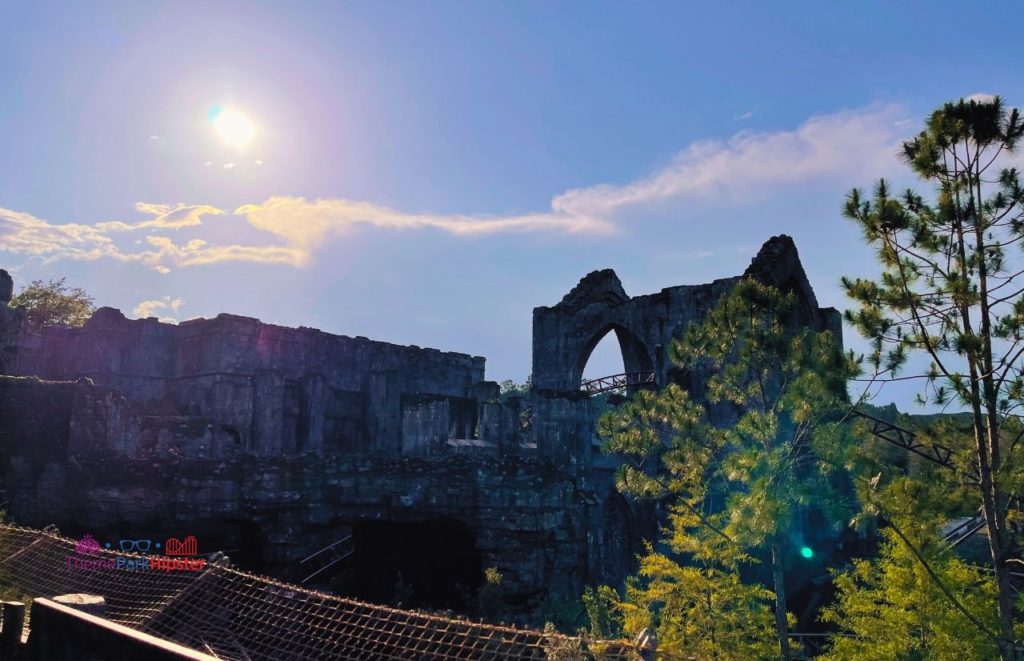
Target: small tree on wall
54 303
510 388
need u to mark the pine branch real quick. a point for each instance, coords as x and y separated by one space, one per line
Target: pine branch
942 586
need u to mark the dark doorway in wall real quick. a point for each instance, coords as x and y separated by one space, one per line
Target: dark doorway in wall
431 564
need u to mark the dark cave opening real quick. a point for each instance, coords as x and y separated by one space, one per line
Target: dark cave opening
242 542
432 564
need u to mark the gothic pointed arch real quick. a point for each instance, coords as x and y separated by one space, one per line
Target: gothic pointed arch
635 355
564 335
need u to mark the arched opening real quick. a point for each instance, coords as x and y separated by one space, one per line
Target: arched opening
605 359
612 350
427 564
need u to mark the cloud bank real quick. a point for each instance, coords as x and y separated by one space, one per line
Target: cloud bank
847 145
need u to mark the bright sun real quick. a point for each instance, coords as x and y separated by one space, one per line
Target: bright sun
233 127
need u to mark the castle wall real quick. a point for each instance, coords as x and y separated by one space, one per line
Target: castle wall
215 426
140 356
279 390
88 459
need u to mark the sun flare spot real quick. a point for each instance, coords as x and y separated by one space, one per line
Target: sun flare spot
234 128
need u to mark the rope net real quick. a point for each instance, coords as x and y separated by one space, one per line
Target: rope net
231 614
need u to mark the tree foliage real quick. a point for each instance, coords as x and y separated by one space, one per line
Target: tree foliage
737 491
490 599
699 609
950 289
601 605
896 606
510 388
53 303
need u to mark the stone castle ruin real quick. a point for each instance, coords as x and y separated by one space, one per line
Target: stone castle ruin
270 443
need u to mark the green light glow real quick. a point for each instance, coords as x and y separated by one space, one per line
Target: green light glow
806 552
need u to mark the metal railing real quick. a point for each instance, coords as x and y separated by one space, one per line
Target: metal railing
619 382
327 557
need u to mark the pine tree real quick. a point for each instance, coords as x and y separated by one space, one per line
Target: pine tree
736 491
950 289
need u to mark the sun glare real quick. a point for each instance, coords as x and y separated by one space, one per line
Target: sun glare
233 127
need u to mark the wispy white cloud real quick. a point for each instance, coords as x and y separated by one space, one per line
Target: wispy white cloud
154 137
744 116
166 217
846 145
305 224
22 233
158 307
207 163
198 252
229 166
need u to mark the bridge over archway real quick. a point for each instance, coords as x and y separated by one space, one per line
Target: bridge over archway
627 381
636 359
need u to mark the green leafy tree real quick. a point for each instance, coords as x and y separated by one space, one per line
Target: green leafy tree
950 289
601 605
53 303
738 491
510 388
699 609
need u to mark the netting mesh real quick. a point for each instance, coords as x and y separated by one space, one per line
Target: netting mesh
232 614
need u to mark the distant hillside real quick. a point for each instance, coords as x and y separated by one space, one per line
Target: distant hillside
952 430
915 421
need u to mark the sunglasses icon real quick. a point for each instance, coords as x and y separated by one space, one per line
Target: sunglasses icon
141 545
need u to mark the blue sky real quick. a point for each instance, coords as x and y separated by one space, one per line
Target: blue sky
428 172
